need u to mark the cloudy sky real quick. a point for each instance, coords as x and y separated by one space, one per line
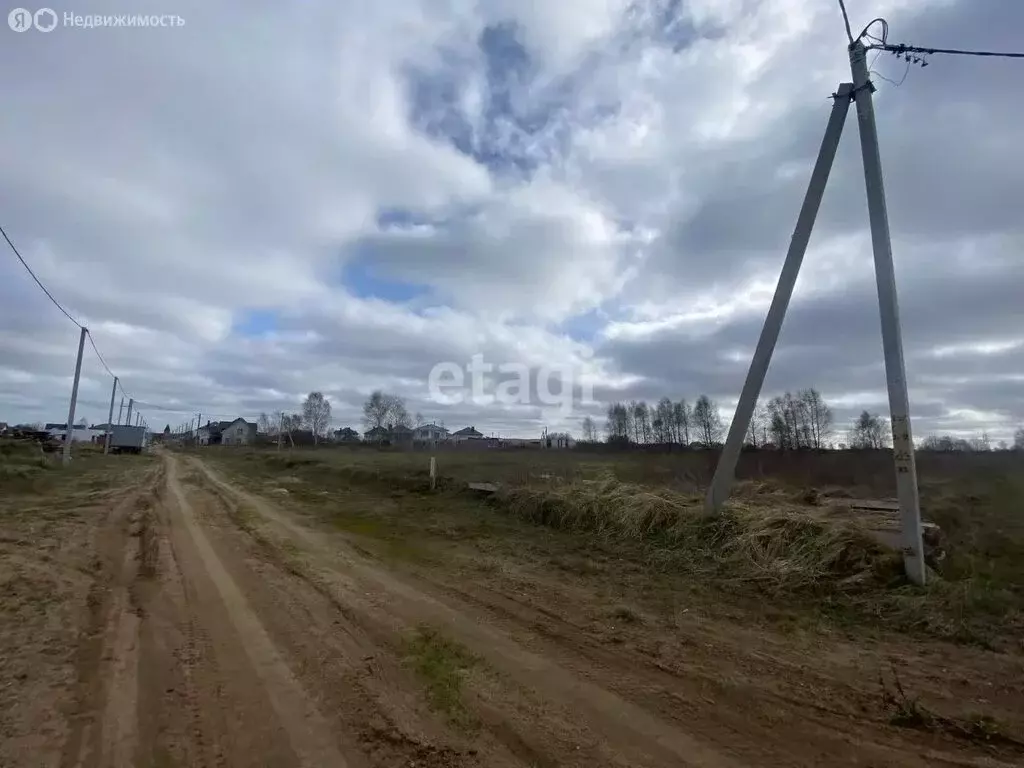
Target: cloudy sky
273 199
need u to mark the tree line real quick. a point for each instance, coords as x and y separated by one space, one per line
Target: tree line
798 420
801 420
314 416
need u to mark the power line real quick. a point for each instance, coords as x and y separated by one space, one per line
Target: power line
38 282
96 350
901 48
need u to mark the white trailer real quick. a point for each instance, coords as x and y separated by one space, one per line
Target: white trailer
128 439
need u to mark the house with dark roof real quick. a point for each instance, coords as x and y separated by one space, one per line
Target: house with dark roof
429 434
237 432
392 435
466 434
346 435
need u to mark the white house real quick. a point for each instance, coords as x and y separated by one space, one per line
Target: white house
238 432
465 435
78 434
429 434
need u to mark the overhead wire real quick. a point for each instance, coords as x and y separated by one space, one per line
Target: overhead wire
38 281
902 48
66 314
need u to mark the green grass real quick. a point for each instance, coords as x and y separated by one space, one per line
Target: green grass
442 665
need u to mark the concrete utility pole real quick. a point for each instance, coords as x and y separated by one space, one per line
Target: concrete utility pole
69 432
899 404
119 410
725 472
892 341
128 416
110 418
280 431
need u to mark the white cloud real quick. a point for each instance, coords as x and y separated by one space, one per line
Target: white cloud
636 179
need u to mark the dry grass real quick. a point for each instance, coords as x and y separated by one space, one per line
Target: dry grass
779 550
642 513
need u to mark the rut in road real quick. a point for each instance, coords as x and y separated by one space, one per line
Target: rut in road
548 696
225 632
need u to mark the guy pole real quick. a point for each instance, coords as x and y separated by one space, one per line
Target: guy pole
69 432
110 418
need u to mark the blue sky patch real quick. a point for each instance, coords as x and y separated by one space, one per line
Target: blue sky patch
584 327
365 281
255 322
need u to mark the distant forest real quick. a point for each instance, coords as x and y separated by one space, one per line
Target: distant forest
789 421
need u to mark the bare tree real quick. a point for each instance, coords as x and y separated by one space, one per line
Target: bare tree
707 421
818 416
642 422
384 411
682 420
868 432
418 419
757 432
618 425
1018 439
589 430
290 422
264 425
663 422
316 414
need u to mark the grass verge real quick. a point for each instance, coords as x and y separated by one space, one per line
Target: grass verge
442 664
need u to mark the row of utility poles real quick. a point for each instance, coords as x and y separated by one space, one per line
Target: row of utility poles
188 430
69 430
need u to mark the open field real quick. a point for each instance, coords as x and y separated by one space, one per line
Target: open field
324 607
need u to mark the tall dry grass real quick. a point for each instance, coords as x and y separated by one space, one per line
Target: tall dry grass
780 549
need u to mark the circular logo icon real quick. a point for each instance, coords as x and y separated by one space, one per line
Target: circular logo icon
20 20
45 20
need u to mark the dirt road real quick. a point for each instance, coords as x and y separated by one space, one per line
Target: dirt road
224 631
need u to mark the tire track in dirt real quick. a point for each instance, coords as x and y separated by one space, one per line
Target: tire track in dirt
353 667
626 733
307 730
103 728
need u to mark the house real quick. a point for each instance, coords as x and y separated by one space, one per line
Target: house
393 435
465 435
429 434
522 442
238 432
559 440
346 435
79 434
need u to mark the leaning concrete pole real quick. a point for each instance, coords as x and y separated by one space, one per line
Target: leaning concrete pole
725 471
69 432
110 419
892 341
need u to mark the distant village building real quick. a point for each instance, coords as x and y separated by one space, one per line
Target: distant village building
346 435
237 432
429 434
466 434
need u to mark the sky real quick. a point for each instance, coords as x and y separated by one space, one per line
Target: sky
272 199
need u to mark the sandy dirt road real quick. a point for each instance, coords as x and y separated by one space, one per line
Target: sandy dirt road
224 631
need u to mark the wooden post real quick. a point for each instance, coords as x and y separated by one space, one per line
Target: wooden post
433 473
